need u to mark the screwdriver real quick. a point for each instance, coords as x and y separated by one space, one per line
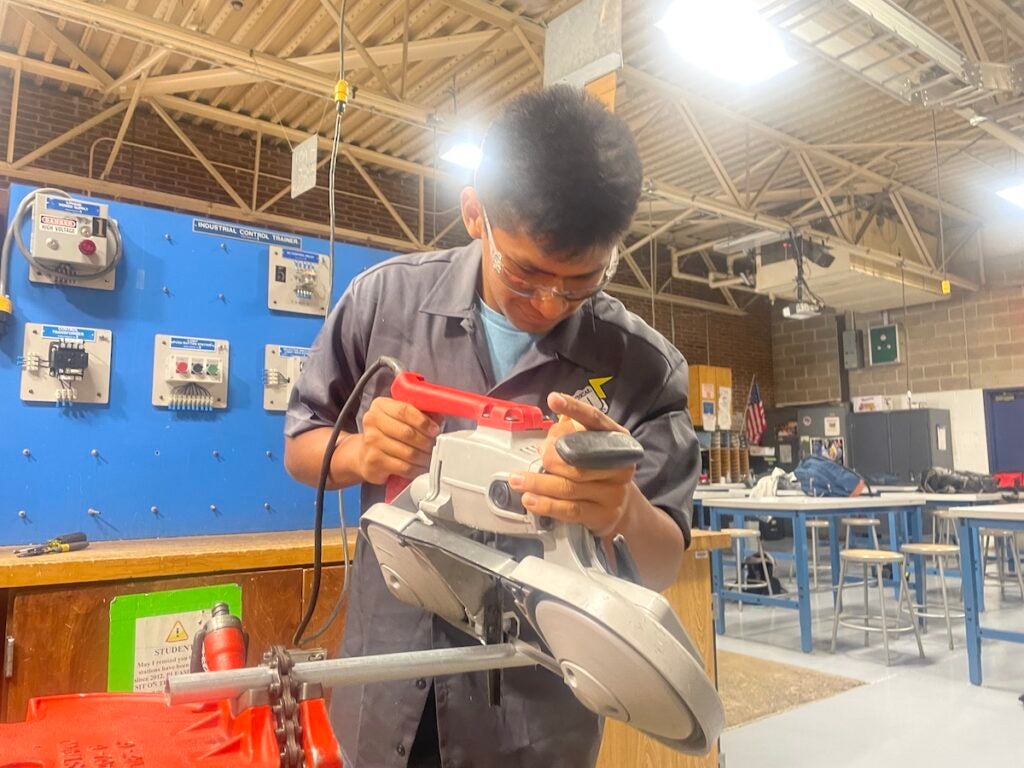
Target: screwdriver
69 542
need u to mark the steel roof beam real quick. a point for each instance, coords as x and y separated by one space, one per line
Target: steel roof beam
263 66
674 92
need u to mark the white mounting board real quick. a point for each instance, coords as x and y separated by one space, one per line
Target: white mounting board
169 350
39 387
285 268
288 361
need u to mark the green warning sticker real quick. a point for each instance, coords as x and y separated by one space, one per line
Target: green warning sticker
151 634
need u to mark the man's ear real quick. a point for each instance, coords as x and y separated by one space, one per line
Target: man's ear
472 213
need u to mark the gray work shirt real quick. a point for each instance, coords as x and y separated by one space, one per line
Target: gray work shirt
423 310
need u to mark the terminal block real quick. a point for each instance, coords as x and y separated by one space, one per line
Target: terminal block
282 366
298 281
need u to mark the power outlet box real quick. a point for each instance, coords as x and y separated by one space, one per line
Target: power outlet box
282 366
190 373
66 365
298 281
70 235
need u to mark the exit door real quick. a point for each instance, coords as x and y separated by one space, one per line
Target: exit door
1004 423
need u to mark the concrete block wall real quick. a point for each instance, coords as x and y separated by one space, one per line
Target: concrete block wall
971 340
805 359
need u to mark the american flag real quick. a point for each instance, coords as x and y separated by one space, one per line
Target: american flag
755 421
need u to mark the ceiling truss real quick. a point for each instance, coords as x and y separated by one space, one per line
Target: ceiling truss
463 51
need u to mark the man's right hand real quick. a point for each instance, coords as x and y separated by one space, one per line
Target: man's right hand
396 440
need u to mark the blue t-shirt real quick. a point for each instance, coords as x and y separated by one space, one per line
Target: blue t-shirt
505 342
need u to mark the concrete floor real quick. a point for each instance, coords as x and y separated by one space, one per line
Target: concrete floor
914 712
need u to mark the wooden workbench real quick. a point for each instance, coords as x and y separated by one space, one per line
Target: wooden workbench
160 558
690 596
55 607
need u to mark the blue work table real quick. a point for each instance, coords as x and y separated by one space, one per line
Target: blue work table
904 518
1007 517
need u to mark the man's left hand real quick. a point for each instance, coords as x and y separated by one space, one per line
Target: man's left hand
596 498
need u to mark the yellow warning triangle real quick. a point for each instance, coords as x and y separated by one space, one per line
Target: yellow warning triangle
598 384
178 634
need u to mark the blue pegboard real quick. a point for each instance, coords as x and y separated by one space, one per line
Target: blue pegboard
147 456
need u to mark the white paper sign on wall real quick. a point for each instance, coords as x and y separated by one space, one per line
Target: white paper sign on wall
304 166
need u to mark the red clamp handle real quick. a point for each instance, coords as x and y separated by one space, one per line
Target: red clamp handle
486 411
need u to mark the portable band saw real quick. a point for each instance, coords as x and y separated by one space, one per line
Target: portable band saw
549 601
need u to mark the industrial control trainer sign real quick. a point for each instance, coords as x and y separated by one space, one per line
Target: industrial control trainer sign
248 234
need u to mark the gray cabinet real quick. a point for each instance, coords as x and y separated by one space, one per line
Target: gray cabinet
899 446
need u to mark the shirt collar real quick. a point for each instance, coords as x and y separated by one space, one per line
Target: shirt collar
455 295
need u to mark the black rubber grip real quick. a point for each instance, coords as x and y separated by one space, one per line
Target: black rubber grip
69 538
599 450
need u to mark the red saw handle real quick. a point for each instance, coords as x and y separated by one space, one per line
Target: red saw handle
491 412
486 411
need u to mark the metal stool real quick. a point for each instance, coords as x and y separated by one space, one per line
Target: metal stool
742 583
875 558
1006 544
944 527
938 553
871 523
813 526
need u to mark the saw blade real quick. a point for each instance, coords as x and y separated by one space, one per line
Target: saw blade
618 646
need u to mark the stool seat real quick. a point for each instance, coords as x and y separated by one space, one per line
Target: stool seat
928 548
742 533
871 556
945 514
817 523
868 621
871 522
996 532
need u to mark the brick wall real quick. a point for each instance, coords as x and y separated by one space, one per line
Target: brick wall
164 164
972 340
743 344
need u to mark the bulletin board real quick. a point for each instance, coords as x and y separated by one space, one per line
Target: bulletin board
148 471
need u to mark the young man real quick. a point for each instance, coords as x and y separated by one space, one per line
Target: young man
518 314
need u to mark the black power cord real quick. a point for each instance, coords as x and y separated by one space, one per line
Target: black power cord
347 412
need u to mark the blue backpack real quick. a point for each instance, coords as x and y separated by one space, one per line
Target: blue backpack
819 476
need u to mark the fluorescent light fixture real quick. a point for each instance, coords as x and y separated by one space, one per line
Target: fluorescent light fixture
464 154
727 38
746 242
1014 194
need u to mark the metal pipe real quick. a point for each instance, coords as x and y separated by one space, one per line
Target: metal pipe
337 673
214 686
197 687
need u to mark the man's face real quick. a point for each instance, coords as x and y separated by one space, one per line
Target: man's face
527 268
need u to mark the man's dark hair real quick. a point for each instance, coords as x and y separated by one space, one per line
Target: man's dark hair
561 168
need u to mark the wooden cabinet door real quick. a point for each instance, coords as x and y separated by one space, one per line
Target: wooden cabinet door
332 582
61 633
690 596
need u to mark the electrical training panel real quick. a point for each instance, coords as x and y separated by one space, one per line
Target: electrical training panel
190 374
298 281
65 365
282 366
70 236
178 461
